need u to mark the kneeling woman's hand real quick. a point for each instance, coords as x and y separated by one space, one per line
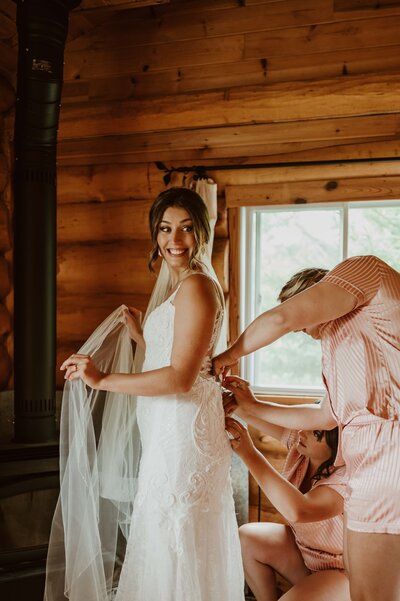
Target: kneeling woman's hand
240 438
82 366
244 397
229 402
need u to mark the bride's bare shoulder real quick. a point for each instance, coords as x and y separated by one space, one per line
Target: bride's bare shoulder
199 288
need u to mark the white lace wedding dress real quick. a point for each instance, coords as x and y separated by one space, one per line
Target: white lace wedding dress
183 543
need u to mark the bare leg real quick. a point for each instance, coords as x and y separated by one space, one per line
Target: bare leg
374 561
267 547
326 585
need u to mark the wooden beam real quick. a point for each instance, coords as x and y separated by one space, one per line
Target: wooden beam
79 315
5 321
142 183
234 281
8 8
7 95
340 97
118 4
256 139
8 27
309 40
283 175
280 153
335 190
205 22
5 233
118 267
364 5
112 220
5 367
5 281
4 172
180 80
103 268
118 60
312 39
85 183
8 62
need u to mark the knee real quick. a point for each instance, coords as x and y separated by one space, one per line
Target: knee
255 542
245 535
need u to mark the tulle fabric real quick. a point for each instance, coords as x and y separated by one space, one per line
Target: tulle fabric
100 456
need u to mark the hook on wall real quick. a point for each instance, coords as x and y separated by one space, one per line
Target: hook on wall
198 170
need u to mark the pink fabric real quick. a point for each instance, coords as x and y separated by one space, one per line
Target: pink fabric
360 351
371 452
361 370
320 543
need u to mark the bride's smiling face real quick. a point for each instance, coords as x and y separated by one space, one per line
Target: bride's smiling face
175 237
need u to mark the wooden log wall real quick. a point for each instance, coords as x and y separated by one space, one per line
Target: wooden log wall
216 83
7 100
212 83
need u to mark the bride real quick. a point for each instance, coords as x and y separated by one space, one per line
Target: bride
183 542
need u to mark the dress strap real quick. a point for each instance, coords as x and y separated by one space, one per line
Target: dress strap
172 296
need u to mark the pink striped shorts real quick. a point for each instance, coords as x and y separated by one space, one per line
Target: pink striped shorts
371 452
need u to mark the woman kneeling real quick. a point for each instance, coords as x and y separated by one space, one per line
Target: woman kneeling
308 552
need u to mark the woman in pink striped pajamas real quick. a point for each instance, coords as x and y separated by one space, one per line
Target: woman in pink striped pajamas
310 489
354 310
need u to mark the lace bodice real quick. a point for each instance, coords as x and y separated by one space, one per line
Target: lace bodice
157 335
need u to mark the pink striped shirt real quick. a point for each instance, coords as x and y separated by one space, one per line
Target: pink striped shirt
360 351
320 543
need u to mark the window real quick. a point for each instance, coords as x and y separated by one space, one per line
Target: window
279 241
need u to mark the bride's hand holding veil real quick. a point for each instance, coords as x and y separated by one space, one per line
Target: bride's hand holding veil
82 366
132 318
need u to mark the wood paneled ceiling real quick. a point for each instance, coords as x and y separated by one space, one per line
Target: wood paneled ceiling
120 4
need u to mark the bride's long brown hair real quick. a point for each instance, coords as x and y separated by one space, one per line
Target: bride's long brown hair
194 205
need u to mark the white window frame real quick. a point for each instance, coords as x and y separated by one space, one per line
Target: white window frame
248 278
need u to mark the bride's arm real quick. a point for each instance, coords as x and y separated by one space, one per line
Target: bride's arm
196 307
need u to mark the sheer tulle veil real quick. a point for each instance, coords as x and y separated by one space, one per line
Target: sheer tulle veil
99 458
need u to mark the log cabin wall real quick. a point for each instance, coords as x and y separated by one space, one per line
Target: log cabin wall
8 57
212 83
217 82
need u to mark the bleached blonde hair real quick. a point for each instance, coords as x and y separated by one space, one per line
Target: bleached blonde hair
301 281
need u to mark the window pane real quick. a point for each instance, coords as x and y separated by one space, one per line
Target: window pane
290 241
375 231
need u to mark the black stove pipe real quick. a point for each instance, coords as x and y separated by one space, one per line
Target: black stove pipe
42 30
